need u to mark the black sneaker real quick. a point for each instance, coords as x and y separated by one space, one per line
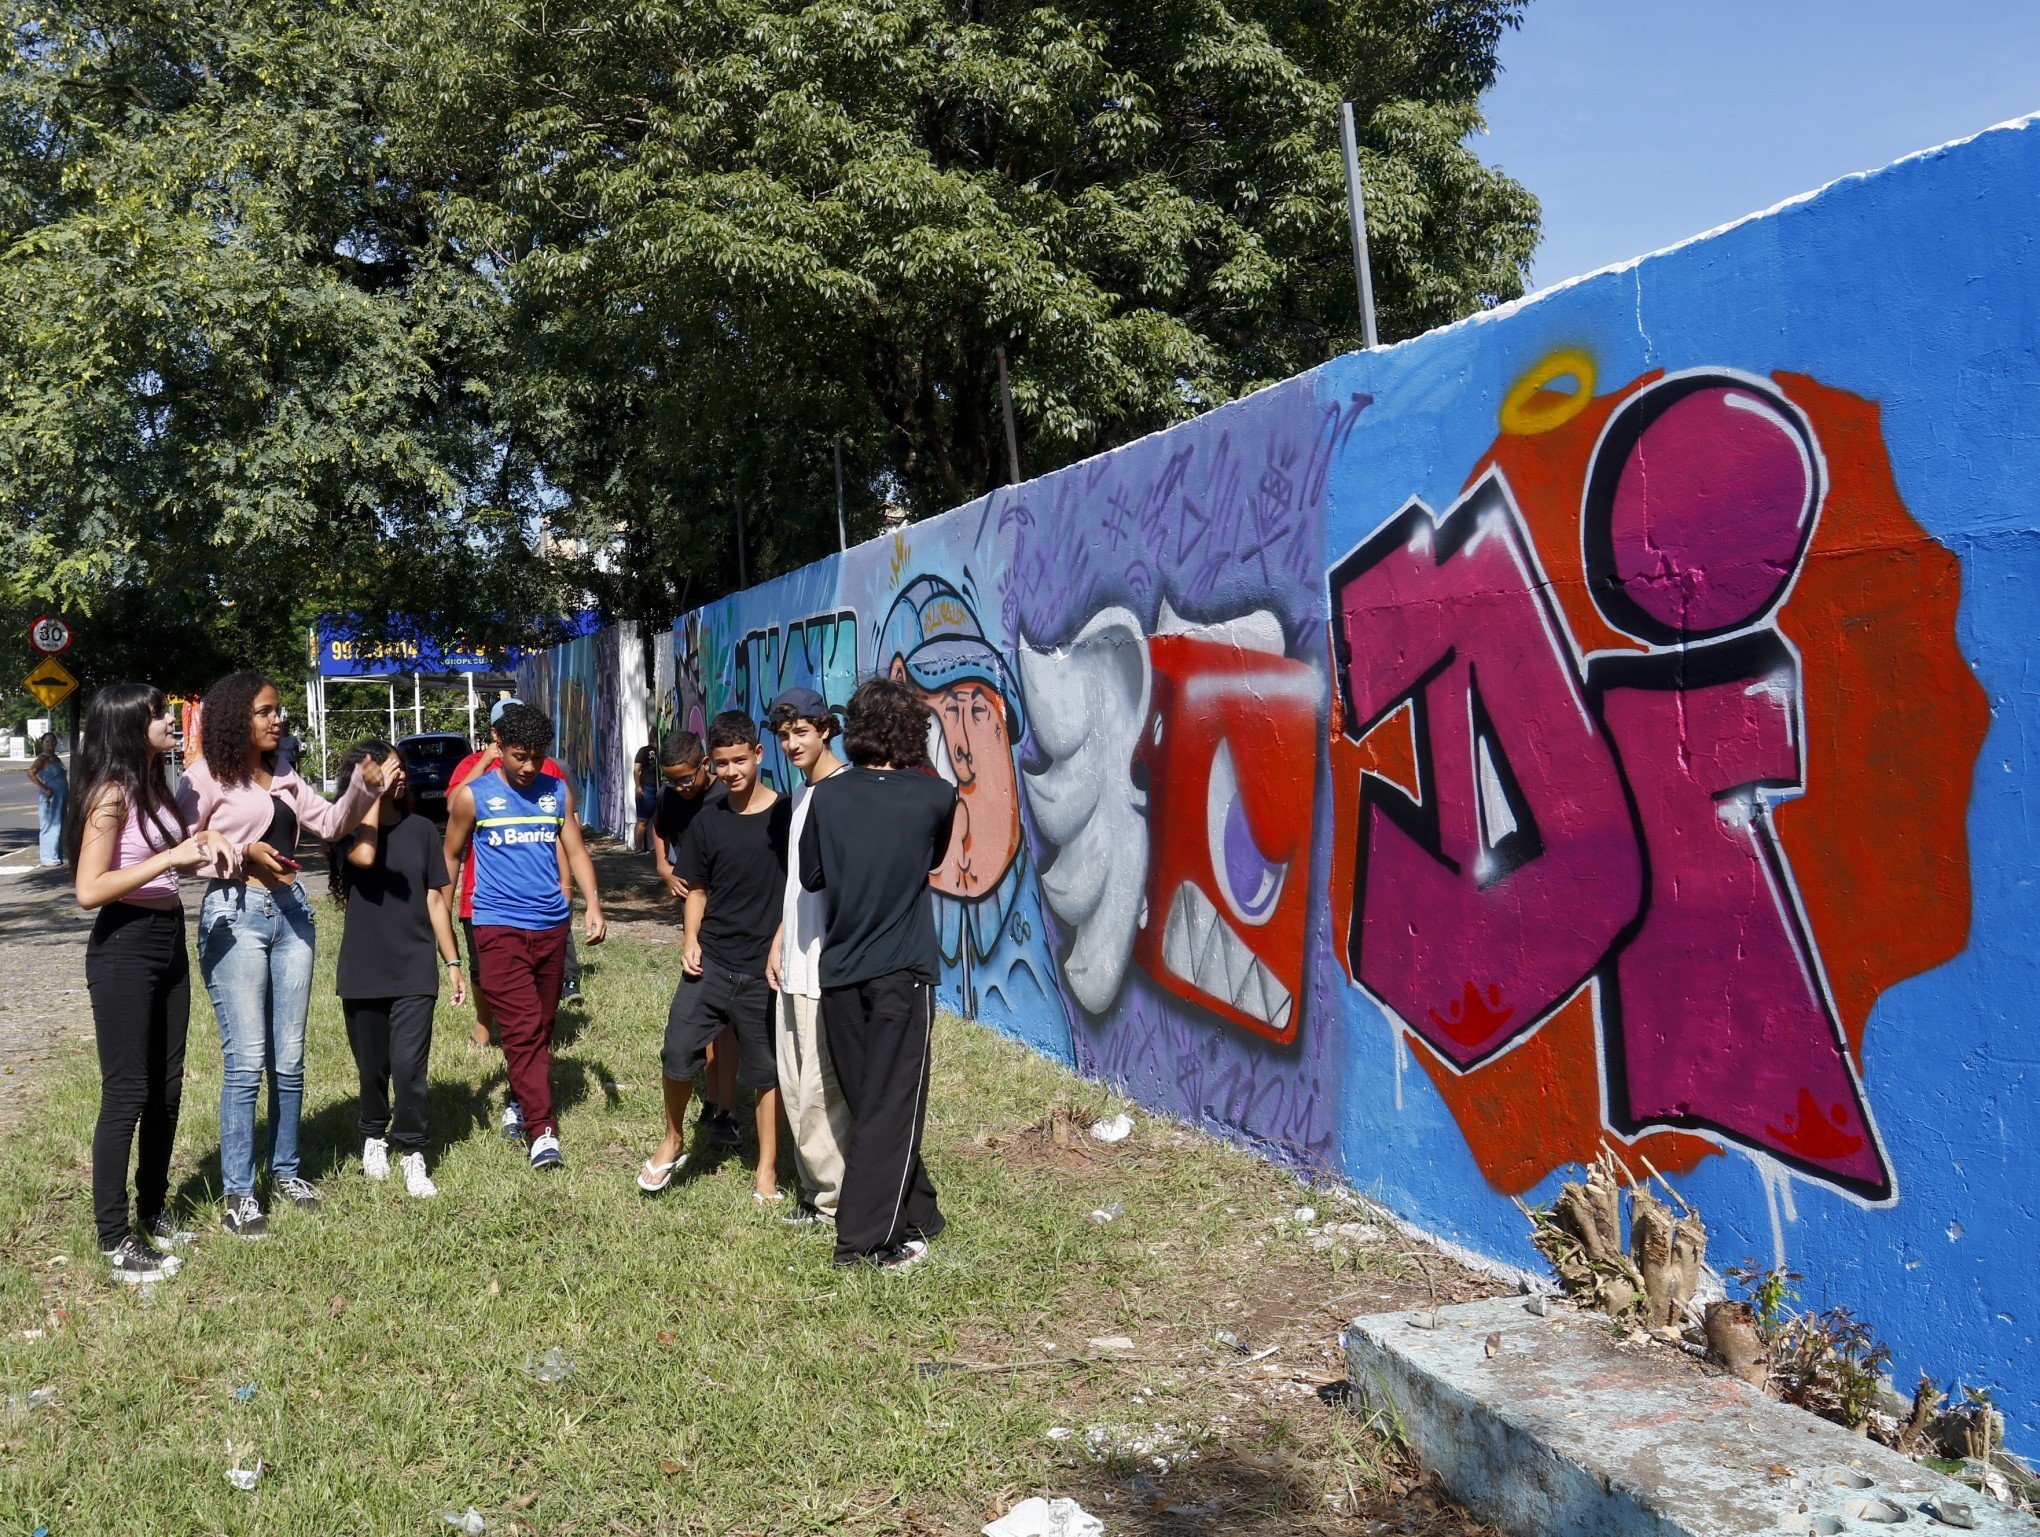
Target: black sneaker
300 1192
243 1217
134 1262
807 1214
162 1231
723 1130
902 1256
570 989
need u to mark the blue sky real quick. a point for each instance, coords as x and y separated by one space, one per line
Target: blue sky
1641 122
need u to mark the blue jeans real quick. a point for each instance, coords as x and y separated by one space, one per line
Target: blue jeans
50 827
255 953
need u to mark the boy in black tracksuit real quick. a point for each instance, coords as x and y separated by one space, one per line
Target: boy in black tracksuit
873 834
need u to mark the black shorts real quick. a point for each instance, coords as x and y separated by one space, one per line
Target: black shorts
702 1006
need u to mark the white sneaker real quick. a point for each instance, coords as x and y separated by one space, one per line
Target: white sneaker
513 1122
416 1180
545 1152
375 1158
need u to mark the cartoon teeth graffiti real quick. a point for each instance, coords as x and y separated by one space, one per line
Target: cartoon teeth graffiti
1178 793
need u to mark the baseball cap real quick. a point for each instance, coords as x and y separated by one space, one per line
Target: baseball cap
496 710
934 632
804 702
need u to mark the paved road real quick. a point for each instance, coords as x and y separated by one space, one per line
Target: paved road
17 816
42 944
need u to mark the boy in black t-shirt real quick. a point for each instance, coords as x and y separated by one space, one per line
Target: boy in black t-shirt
874 833
689 788
733 860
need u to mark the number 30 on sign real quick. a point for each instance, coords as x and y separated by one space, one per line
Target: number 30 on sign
49 635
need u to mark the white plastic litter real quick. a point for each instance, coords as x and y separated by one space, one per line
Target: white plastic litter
1036 1517
1110 1342
555 1367
244 1479
1118 1129
469 1521
1305 1214
1104 1214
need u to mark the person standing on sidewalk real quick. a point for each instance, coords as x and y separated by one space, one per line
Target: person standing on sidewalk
52 785
129 842
809 1095
390 878
873 836
520 821
733 860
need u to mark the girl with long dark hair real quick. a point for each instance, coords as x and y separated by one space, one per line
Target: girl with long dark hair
256 934
129 841
52 786
390 878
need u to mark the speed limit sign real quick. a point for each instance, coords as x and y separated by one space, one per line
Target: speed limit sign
49 635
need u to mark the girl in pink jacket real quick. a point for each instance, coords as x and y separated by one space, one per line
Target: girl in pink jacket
255 929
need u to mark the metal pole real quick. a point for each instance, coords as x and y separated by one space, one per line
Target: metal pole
393 709
743 580
1006 404
1356 216
842 537
417 703
471 706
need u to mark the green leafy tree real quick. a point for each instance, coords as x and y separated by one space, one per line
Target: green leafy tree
243 377
470 310
738 230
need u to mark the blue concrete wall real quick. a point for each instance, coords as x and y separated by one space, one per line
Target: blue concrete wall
1564 730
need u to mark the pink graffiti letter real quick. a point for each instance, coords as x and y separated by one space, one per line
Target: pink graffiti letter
1483 905
1719 1018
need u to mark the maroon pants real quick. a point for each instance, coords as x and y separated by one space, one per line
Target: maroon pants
520 976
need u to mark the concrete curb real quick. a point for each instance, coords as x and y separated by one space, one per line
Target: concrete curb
1546 1425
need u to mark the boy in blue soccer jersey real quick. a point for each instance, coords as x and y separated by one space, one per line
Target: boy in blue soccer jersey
521 823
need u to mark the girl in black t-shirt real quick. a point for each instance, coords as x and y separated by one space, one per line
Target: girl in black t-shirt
390 876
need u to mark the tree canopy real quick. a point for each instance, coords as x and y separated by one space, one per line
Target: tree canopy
465 310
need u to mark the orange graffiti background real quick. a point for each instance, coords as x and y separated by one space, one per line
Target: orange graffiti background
1894 724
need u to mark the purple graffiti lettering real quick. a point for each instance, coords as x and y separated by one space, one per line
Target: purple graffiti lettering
1482 905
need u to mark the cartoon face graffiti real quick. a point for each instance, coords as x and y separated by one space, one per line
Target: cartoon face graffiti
1206 735
932 640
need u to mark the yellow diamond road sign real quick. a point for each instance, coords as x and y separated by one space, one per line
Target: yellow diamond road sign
50 683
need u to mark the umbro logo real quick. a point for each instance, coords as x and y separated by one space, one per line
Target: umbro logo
497 803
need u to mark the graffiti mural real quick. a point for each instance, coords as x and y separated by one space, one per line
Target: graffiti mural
932 639
1154 731
1565 731
1168 617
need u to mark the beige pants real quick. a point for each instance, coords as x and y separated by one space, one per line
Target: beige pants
813 1103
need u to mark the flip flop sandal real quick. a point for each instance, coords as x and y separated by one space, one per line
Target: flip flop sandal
654 1177
768 1200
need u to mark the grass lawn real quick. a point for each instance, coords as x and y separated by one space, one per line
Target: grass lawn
726 1378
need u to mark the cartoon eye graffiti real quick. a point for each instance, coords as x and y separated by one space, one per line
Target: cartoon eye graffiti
1135 723
1247 879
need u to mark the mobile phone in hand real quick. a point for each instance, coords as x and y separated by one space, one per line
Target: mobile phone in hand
288 863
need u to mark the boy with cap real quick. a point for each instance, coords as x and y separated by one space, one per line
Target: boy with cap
873 836
809 1095
733 859
521 822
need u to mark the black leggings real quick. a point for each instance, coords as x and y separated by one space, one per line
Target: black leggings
392 1039
140 982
